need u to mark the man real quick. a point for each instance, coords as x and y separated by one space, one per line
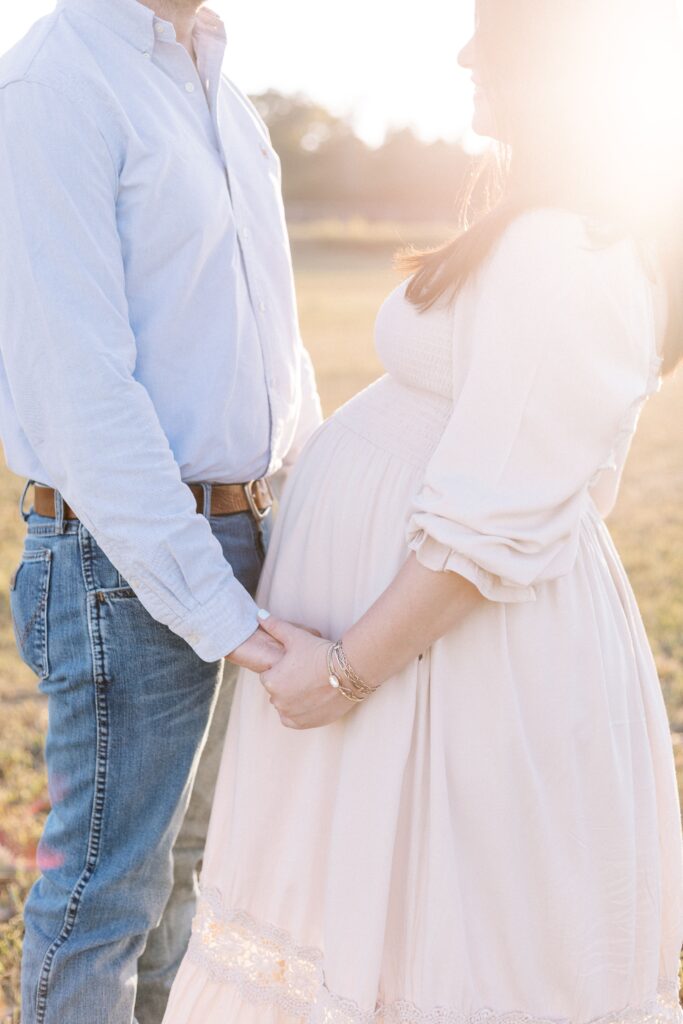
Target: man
149 342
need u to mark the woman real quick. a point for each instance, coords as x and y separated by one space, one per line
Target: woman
487 828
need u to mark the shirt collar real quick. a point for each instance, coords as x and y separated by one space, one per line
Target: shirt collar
127 18
136 23
209 23
210 39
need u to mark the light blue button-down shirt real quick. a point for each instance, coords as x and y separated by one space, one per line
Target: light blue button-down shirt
148 325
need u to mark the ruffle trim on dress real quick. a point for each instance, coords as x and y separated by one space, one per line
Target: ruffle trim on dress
267 967
438 557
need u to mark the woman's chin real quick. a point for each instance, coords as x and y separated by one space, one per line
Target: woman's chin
483 122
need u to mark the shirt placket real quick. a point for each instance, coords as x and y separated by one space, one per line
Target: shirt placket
179 65
201 84
210 58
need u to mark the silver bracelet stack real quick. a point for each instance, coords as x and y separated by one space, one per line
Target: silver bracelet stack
343 677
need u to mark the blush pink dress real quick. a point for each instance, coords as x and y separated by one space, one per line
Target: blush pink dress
493 838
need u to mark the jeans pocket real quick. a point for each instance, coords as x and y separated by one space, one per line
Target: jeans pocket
29 590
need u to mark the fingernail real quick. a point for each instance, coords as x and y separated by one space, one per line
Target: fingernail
263 614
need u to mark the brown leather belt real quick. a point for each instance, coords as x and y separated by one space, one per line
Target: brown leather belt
226 500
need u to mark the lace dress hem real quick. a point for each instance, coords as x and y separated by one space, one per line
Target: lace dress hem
267 967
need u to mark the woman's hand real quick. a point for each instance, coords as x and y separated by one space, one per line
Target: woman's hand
298 685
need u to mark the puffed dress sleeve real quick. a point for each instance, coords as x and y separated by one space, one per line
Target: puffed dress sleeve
553 347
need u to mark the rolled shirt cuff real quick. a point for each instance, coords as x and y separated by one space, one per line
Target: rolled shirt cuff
217 628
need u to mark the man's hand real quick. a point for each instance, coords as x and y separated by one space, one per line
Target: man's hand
298 683
259 653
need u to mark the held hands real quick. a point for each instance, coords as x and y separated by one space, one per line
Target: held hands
258 653
298 684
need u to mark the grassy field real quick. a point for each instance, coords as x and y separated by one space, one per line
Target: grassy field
342 279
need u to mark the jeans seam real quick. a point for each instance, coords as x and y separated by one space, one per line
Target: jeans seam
85 542
42 623
39 618
35 530
101 764
93 847
96 641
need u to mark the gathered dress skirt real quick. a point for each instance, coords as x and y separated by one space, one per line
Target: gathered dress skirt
493 837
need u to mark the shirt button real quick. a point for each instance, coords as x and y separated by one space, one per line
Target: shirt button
159 28
246 232
147 54
189 86
262 306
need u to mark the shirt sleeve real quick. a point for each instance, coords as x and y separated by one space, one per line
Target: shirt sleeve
69 354
552 347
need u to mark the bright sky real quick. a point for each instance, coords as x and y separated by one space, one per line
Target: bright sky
385 62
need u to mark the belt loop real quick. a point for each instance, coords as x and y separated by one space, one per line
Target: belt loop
22 500
59 513
207 488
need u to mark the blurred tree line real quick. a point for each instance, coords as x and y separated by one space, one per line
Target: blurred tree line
329 171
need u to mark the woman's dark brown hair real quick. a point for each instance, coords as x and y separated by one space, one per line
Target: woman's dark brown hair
588 98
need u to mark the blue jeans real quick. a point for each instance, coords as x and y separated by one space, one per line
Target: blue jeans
129 709
167 944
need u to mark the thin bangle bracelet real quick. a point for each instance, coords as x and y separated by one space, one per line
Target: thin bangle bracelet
349 672
335 681
332 677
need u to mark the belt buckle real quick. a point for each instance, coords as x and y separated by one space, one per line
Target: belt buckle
257 513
